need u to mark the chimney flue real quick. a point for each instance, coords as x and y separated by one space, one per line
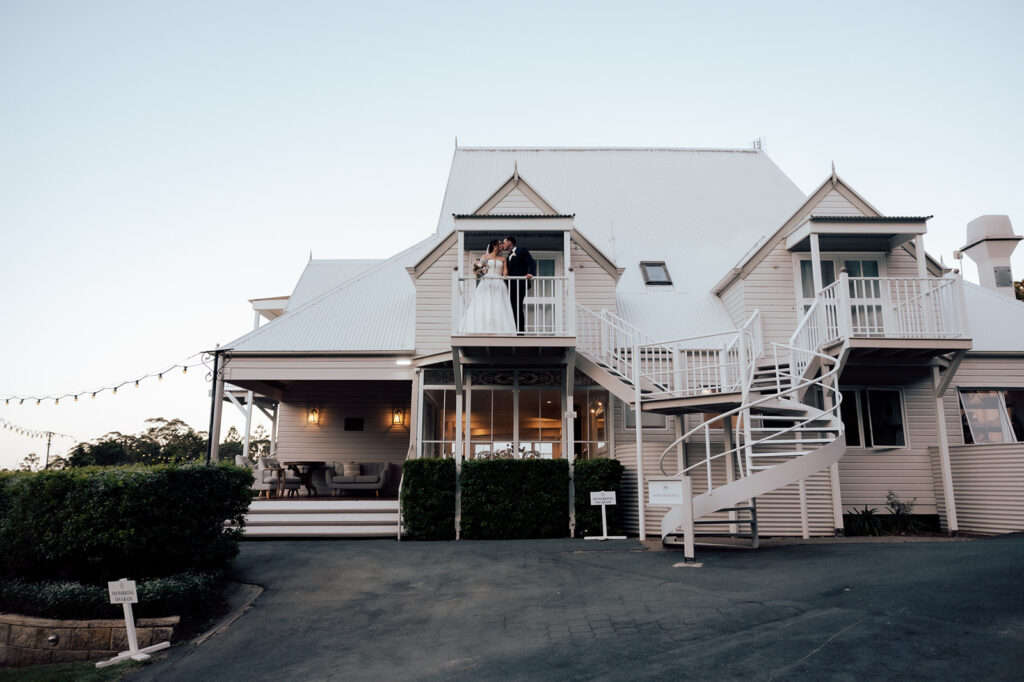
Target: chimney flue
990 242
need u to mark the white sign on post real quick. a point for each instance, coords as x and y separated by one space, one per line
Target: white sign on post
665 492
123 592
603 498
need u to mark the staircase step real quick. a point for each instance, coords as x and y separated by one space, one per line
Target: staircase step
367 518
324 531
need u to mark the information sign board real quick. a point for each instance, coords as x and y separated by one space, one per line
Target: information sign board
123 592
600 497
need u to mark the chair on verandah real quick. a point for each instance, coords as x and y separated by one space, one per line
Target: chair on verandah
290 484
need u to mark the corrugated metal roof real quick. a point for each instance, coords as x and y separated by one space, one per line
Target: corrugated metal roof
512 216
371 311
323 275
996 322
668 315
869 219
699 210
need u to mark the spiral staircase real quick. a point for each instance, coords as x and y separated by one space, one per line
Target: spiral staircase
776 409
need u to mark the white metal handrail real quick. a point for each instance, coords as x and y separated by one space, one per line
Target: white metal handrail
893 307
546 311
722 362
608 339
798 386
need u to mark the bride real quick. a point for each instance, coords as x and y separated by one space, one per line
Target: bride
490 311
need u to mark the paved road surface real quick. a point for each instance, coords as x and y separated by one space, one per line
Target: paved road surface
566 610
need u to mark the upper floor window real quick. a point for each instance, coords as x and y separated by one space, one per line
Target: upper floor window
874 418
992 416
655 273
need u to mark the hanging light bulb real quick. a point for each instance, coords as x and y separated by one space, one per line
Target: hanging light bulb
136 383
160 376
115 390
76 398
56 401
22 402
94 395
39 402
184 370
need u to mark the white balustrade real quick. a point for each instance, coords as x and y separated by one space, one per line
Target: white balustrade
547 305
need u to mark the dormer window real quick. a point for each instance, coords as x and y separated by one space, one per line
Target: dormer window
655 273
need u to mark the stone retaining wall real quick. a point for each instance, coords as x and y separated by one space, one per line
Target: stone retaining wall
26 640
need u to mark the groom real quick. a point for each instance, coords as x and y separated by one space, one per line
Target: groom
520 264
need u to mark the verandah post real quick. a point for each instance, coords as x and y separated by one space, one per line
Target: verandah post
638 419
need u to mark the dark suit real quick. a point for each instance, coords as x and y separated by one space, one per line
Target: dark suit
520 263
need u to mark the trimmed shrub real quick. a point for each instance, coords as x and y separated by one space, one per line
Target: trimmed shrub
428 499
186 594
591 475
96 524
507 499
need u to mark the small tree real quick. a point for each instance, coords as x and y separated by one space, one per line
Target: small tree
30 463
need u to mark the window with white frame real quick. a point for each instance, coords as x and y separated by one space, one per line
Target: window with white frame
874 417
856 265
992 416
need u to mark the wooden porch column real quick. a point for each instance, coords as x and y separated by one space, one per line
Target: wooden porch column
213 446
816 263
638 414
273 429
947 472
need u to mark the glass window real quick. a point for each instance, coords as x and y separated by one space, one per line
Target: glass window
439 422
828 275
885 417
992 416
540 422
873 417
590 428
655 272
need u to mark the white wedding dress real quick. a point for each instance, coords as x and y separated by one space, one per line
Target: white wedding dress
489 311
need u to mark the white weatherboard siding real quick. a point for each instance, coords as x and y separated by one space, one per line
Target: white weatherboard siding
373 401
434 304
867 475
515 203
988 486
595 287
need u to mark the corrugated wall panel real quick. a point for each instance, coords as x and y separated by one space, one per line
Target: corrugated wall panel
988 486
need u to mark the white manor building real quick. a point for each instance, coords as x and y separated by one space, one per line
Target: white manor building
798 353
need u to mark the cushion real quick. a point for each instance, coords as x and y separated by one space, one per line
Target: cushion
367 479
344 479
352 469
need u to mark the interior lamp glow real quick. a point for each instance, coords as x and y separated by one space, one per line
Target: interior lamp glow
313 417
398 417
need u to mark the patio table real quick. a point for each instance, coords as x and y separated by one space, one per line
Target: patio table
305 470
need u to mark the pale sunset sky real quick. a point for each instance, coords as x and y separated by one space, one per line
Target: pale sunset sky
163 162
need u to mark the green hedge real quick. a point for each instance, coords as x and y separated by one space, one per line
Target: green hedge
428 499
186 595
591 475
96 524
505 499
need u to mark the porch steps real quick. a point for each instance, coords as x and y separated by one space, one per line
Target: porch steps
328 518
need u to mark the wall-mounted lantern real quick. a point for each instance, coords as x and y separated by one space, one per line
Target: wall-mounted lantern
313 417
398 417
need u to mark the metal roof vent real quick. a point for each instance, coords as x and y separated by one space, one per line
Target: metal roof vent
990 242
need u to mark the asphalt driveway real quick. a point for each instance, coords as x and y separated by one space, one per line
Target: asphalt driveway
571 609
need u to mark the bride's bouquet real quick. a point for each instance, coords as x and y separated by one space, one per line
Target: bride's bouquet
479 268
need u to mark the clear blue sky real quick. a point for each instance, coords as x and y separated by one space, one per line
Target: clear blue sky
160 163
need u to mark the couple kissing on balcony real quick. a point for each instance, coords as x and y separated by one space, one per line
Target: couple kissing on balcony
496 308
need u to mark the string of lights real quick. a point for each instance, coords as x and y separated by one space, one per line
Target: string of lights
31 433
184 365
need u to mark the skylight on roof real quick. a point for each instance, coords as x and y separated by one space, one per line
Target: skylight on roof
655 273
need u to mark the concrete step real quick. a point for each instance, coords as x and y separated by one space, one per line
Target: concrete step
333 519
324 531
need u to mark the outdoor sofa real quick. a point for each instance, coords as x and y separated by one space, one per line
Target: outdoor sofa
356 476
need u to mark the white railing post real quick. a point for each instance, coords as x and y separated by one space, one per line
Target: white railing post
638 419
570 297
744 384
844 314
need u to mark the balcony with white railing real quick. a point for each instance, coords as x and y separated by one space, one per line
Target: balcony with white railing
547 312
883 310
